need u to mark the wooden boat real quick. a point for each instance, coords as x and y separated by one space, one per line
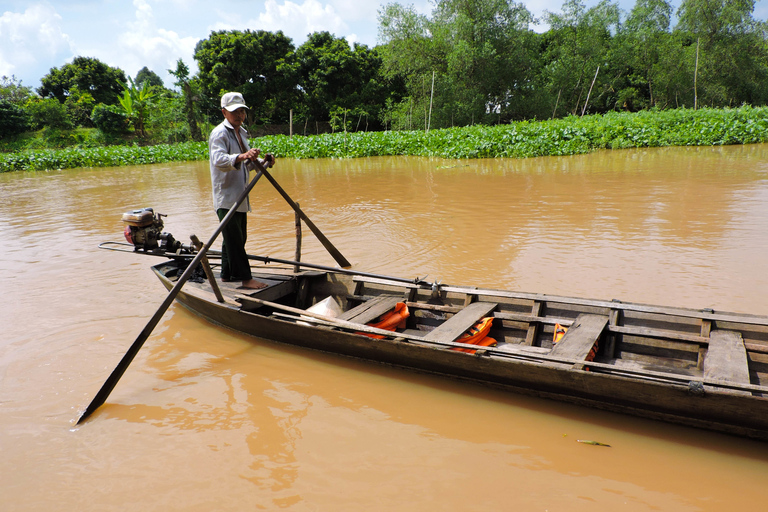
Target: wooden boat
702 368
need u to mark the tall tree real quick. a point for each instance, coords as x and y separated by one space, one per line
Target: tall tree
257 64
147 75
13 119
578 42
11 90
409 56
181 73
488 50
86 74
641 45
733 58
480 52
337 78
713 19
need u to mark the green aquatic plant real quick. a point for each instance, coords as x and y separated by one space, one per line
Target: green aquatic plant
557 137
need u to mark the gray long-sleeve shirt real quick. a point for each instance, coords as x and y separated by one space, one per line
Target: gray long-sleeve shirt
228 180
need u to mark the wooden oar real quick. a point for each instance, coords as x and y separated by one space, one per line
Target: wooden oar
111 382
341 260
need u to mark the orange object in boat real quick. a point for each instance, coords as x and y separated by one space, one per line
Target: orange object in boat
485 342
476 335
559 333
391 320
592 353
478 331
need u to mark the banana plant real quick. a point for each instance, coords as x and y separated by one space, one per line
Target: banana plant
134 103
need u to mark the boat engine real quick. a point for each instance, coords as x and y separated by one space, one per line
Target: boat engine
144 229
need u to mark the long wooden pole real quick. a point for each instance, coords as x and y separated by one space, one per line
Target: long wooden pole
556 102
340 259
295 263
431 96
207 268
590 92
297 256
696 77
119 370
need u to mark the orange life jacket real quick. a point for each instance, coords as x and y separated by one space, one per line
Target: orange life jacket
559 333
477 335
391 320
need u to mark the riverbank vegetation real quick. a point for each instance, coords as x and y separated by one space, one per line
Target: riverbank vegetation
466 63
468 80
568 136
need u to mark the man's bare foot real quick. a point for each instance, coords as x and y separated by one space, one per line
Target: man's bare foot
252 284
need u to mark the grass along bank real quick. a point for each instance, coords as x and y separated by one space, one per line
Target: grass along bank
568 136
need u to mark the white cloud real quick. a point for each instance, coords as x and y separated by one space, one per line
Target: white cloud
311 16
32 39
145 44
296 21
357 10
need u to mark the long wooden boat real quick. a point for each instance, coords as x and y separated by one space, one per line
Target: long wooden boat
701 368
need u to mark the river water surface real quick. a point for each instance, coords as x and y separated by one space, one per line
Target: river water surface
205 419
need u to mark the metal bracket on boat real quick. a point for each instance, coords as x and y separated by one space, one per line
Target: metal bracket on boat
422 280
435 290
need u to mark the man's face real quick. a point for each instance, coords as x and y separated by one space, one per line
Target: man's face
236 117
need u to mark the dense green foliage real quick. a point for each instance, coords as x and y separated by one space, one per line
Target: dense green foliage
478 61
340 81
253 63
572 135
465 63
83 75
135 102
147 75
110 120
49 113
524 139
13 91
102 156
189 91
13 119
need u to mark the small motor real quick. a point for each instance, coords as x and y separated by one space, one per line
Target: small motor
144 229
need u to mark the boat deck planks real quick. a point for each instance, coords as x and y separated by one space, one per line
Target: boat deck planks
581 337
458 324
726 359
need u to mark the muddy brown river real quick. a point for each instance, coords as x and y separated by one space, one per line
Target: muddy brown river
206 419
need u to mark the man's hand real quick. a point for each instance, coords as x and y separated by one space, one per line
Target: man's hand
251 154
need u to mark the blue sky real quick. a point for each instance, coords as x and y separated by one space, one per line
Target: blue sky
38 35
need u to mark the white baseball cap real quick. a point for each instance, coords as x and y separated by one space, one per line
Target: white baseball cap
233 101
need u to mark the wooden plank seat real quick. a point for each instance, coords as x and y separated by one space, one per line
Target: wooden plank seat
581 337
371 309
458 324
726 358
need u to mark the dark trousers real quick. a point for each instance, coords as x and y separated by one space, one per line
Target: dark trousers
234 259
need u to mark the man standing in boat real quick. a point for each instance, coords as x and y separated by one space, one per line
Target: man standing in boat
230 161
